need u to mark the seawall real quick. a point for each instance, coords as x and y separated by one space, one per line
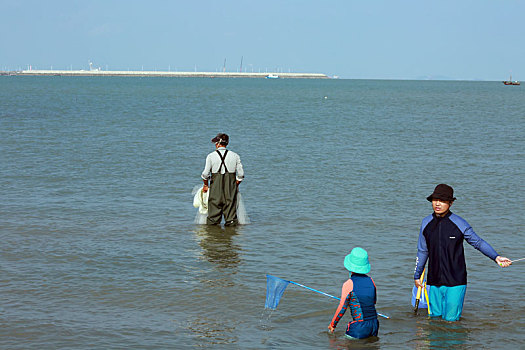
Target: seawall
165 74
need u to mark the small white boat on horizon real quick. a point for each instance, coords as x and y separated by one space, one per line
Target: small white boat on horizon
272 76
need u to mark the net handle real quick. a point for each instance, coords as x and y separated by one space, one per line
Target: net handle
328 295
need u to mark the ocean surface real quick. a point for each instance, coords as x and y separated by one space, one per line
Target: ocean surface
99 249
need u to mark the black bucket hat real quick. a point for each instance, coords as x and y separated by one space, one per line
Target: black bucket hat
221 138
444 192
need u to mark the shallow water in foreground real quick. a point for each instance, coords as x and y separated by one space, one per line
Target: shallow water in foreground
99 248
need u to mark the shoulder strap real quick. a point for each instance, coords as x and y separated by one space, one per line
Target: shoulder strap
222 161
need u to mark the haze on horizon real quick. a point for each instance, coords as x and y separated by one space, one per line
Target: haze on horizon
464 40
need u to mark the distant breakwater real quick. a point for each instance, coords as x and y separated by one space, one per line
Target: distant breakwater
34 72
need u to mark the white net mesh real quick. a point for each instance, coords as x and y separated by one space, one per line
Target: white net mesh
200 200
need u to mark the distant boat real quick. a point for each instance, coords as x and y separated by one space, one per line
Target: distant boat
510 82
272 76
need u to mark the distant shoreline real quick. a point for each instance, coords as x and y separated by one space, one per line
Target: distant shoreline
91 73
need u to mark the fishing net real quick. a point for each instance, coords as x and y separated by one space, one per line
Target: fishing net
200 219
242 215
200 200
274 291
422 298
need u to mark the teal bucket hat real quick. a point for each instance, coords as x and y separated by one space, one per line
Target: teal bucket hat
357 261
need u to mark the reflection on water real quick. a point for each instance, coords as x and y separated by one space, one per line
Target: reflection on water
213 331
440 334
340 342
217 245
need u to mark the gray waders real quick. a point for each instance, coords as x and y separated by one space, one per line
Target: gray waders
222 198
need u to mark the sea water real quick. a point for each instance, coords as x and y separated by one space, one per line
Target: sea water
100 249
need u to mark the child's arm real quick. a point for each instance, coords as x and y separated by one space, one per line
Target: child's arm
348 286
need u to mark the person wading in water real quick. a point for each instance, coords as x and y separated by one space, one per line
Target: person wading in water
440 241
224 167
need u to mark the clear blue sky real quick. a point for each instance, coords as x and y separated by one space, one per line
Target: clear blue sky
362 39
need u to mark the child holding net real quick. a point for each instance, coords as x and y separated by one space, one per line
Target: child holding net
358 293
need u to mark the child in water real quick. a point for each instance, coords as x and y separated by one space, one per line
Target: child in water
358 293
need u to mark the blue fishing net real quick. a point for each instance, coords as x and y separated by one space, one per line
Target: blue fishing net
422 298
274 291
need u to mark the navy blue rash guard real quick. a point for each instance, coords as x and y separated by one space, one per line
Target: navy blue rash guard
441 242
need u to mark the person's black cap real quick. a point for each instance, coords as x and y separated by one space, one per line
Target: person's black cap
223 139
444 192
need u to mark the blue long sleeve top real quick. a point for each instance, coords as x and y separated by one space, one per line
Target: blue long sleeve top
441 243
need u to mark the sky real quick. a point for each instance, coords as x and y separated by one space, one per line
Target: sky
353 39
